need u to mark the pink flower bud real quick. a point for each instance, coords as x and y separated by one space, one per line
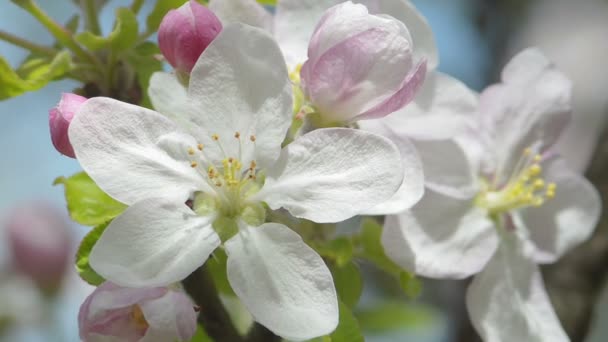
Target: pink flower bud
185 33
135 314
59 122
40 243
360 66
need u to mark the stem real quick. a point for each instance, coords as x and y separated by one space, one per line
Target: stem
213 316
90 12
26 44
136 5
59 32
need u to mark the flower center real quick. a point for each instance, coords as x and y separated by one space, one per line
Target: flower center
525 188
232 181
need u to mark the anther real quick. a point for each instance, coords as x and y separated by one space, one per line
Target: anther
190 151
200 147
252 138
237 135
535 170
215 137
193 164
538 158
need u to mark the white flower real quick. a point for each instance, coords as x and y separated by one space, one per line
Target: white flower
427 124
529 208
224 152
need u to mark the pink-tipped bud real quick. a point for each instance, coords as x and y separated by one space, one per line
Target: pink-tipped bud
125 314
59 122
40 243
185 33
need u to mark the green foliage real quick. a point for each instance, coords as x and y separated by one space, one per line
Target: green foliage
82 256
217 268
201 336
158 12
268 2
348 329
371 247
144 62
410 284
339 250
87 203
348 282
394 315
33 74
123 37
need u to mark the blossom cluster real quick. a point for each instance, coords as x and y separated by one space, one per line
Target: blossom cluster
324 111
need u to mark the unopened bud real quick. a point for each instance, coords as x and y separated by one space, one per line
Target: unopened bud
136 314
59 122
185 33
40 243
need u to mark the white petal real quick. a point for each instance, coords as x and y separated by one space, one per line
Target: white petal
117 144
332 174
153 243
284 284
507 300
295 21
240 84
531 107
412 186
169 97
248 12
440 237
566 220
447 168
417 25
443 108
171 317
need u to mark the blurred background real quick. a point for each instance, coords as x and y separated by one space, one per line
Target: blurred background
475 38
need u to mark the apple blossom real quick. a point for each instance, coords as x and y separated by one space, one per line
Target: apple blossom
185 33
529 207
59 122
40 243
114 313
439 111
223 151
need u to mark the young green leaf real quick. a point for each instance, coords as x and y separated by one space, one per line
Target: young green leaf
33 75
394 315
87 203
201 335
123 37
82 256
143 60
348 282
348 329
372 249
217 267
411 285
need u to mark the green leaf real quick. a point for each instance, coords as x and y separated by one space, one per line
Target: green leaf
339 250
143 60
33 74
411 285
82 256
98 3
348 329
201 335
123 37
125 31
348 282
217 268
394 315
158 12
371 231
268 2
87 203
